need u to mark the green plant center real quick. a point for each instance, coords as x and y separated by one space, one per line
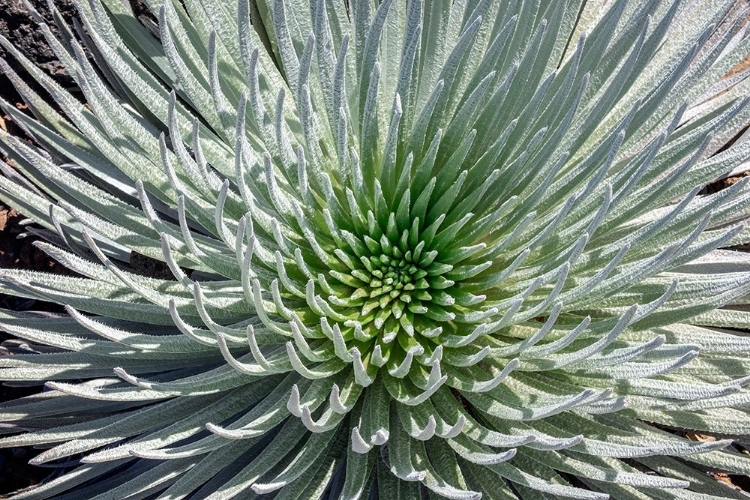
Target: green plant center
396 286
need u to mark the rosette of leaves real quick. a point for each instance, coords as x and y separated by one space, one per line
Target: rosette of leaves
444 248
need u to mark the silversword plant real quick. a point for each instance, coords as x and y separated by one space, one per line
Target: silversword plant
421 248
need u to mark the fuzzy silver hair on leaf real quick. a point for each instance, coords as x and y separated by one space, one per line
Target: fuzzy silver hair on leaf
420 249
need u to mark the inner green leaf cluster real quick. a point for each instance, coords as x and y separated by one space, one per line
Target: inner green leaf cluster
395 283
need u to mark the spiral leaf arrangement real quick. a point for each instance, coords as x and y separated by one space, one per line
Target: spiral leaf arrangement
444 248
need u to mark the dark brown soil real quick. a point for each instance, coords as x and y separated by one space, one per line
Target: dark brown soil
717 186
17 25
20 253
